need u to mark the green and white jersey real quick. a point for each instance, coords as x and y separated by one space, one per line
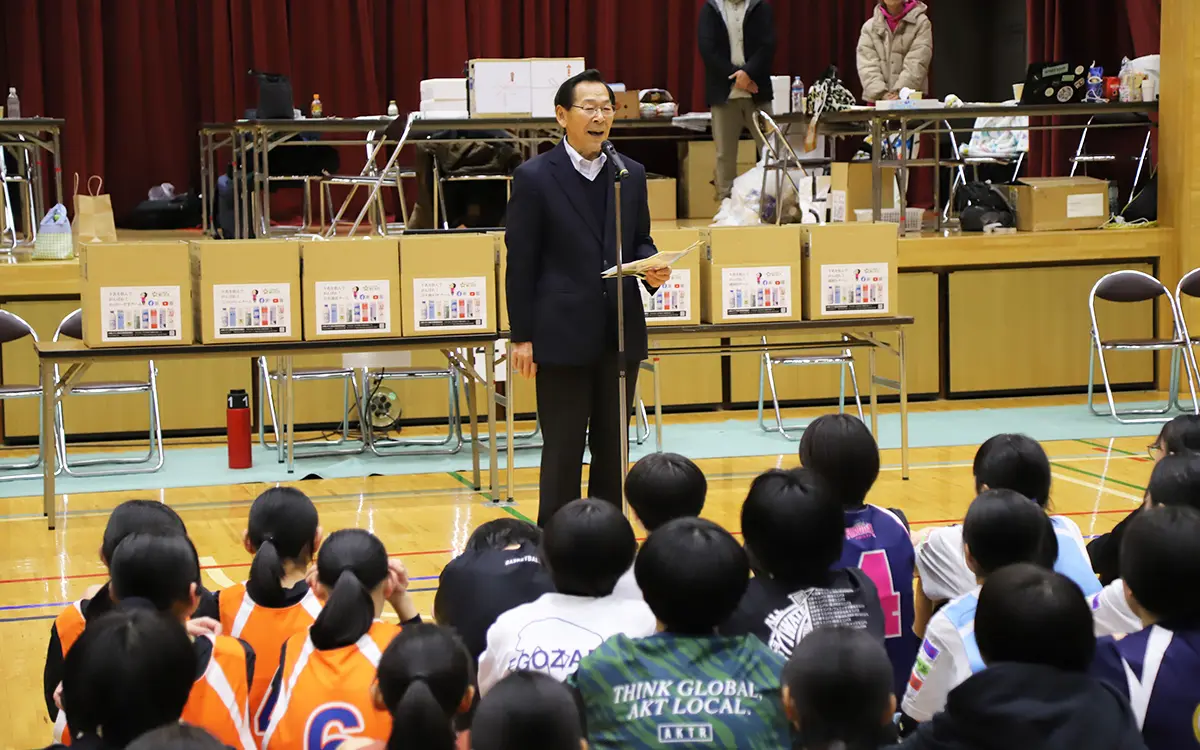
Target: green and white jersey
668 691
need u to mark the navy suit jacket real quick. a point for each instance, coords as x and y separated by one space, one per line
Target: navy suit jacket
556 253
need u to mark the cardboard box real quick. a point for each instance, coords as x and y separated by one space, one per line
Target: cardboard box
246 290
136 293
448 284
697 169
850 271
351 288
629 105
1048 203
661 192
751 274
546 75
499 88
677 302
501 279
850 189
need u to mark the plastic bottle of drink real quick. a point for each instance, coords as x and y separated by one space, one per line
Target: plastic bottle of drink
13 107
393 110
797 95
316 110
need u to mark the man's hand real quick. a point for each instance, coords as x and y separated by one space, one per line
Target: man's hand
891 95
742 80
656 277
522 359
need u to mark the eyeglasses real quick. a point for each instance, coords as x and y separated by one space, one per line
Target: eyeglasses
607 110
1153 450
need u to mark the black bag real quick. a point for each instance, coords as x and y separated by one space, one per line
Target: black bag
980 204
180 212
1144 205
274 97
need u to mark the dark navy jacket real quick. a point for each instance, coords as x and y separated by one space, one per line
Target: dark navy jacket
556 253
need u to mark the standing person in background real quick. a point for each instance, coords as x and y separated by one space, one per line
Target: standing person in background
737 43
895 50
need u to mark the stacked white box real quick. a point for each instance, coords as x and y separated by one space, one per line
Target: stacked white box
444 89
444 98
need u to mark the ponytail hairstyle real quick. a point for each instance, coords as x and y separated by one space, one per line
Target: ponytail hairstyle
282 525
527 709
424 677
351 564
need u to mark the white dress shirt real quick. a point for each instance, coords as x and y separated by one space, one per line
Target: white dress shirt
555 631
589 169
734 12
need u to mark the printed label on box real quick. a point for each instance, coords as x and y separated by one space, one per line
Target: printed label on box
853 289
1085 206
140 312
450 304
756 292
673 300
353 306
252 310
837 205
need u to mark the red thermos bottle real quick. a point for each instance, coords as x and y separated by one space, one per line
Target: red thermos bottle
237 429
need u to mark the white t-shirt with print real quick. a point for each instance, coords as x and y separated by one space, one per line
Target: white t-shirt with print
555 631
946 658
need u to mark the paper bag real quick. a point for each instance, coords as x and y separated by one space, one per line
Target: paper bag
93 213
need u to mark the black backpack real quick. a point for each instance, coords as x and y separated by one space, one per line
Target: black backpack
980 204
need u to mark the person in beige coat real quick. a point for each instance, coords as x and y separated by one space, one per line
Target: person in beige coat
895 49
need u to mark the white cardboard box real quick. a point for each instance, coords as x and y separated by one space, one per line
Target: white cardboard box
546 76
443 105
499 88
440 89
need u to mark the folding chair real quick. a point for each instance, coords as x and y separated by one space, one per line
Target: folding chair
1135 286
13 328
1108 121
385 446
1189 286
369 176
267 376
72 327
766 373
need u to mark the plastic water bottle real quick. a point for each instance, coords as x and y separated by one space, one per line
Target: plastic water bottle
393 110
13 107
797 95
316 110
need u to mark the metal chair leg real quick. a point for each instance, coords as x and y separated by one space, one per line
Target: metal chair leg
857 396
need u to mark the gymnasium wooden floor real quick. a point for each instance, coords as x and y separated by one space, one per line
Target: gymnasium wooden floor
424 519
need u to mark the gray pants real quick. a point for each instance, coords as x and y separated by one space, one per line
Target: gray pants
728 119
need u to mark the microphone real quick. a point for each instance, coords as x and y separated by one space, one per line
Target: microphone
617 162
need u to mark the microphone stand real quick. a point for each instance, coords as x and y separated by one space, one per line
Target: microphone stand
620 173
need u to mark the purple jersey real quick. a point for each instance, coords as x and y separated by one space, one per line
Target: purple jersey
877 541
1158 670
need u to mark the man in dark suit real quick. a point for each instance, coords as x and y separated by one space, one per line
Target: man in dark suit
561 235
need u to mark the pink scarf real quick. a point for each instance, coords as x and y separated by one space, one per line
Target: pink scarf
894 21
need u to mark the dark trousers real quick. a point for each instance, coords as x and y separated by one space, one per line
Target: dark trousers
578 405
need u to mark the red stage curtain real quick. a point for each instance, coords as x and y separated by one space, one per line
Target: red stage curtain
134 78
1081 31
